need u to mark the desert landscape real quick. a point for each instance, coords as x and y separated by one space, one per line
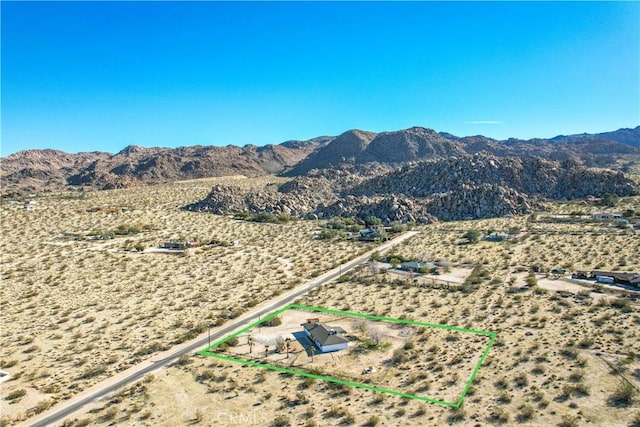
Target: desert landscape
77 309
425 362
274 214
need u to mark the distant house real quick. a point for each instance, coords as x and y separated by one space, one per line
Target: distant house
180 244
369 234
420 267
325 338
498 237
619 277
600 216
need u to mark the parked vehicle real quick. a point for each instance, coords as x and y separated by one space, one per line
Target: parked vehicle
605 279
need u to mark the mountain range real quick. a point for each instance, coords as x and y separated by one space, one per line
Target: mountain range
51 170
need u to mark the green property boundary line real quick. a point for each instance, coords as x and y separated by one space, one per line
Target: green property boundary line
492 336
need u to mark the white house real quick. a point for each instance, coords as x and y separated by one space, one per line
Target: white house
325 338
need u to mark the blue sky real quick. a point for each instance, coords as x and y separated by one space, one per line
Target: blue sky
85 76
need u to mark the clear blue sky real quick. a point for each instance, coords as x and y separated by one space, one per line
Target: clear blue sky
83 76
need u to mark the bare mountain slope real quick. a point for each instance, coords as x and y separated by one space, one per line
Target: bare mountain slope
37 170
345 148
41 170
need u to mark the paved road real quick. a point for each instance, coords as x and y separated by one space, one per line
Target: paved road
137 372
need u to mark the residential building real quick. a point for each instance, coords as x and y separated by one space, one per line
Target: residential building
325 338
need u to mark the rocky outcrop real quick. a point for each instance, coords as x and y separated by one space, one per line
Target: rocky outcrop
533 176
479 186
480 201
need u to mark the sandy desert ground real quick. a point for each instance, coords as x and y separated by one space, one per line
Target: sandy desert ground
421 361
73 312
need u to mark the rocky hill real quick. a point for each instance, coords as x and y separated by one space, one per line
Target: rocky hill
409 145
136 165
478 186
618 150
344 149
42 170
625 136
32 171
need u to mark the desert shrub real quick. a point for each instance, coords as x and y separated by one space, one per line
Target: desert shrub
280 421
336 412
501 384
348 420
576 376
521 380
526 413
580 389
109 414
504 397
183 360
586 342
569 421
472 235
8 363
624 395
499 416
151 348
569 353
457 415
16 394
205 375
372 421
399 356
275 321
42 406
538 370
93 371
622 304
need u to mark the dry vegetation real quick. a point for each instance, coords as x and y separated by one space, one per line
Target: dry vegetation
89 310
75 311
417 360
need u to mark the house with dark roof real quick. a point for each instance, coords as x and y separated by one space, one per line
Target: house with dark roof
325 338
421 267
369 234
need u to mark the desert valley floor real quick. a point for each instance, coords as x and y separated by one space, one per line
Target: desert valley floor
77 308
